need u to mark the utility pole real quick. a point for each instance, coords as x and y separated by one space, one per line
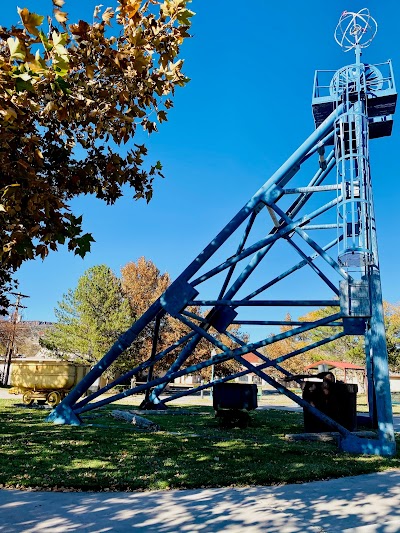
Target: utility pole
11 341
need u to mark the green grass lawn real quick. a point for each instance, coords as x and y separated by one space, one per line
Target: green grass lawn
188 452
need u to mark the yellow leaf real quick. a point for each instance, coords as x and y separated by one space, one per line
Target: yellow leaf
31 21
61 51
97 11
51 106
25 76
59 38
37 65
9 114
7 247
108 15
16 49
61 16
130 7
61 65
58 3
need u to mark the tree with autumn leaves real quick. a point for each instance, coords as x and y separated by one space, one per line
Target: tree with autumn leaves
142 283
71 96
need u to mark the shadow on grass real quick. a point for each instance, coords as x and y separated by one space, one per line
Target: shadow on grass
188 452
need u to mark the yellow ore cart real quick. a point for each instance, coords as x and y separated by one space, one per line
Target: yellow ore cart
45 381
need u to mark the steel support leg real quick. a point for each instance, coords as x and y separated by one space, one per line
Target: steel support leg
376 345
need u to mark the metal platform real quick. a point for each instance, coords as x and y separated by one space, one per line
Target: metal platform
381 98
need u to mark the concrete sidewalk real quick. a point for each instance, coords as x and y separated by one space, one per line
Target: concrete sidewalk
362 504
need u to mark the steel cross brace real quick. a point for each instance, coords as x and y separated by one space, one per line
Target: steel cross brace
242 343
83 406
262 366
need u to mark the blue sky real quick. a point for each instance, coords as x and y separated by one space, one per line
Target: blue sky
247 108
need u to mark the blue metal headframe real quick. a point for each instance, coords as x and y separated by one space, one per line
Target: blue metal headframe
355 301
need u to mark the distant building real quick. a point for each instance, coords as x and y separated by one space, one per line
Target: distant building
343 371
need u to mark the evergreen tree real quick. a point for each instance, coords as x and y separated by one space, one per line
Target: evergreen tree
91 318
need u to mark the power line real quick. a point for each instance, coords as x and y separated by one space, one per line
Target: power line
11 341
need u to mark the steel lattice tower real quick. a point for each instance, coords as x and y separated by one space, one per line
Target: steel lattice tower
350 106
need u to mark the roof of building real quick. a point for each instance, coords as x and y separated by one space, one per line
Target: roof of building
252 358
336 364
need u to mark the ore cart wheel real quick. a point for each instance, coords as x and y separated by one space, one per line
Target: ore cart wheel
53 398
27 398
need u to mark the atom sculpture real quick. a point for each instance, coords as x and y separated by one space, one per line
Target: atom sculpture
355 29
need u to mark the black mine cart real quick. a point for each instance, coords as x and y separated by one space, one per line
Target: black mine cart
336 399
232 401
